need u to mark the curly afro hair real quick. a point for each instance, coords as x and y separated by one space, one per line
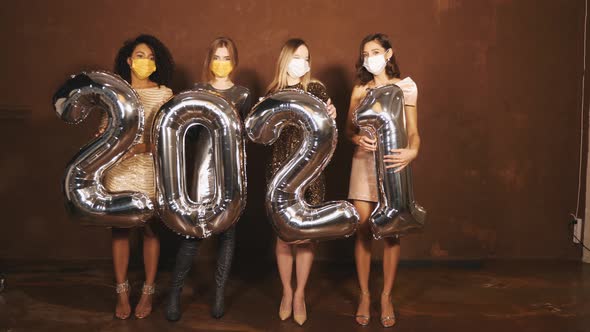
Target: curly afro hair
163 58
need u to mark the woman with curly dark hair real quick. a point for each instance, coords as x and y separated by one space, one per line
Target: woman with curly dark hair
377 66
147 65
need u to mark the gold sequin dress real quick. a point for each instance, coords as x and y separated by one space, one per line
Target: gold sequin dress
288 143
135 172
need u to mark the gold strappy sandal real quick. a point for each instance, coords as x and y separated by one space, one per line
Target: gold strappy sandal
146 290
123 288
363 320
388 321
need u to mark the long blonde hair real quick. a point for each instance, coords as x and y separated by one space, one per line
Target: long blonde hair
280 79
219 42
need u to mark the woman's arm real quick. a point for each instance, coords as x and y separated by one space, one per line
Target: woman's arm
402 157
412 128
319 90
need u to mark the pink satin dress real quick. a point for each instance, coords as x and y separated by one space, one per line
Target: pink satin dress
363 176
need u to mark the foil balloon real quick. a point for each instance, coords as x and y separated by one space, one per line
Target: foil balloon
293 219
382 115
221 193
86 197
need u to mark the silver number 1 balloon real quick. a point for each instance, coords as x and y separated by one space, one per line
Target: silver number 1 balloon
86 197
292 218
219 206
382 114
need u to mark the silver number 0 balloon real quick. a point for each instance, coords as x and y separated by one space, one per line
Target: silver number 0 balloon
382 114
223 204
292 218
86 197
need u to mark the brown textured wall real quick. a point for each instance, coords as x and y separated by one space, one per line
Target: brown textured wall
499 104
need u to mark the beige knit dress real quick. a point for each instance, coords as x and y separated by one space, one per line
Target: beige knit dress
135 172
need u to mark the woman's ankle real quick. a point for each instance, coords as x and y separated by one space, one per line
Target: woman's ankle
299 294
288 292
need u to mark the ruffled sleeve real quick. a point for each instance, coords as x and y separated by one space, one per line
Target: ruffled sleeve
410 90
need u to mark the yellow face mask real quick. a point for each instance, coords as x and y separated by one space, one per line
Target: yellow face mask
221 68
143 68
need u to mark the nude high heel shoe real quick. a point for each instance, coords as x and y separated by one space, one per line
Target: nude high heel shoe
300 318
285 313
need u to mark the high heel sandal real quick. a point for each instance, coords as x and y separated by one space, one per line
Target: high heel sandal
123 288
387 321
146 290
363 320
284 314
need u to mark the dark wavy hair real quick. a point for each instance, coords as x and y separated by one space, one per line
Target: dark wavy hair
163 58
391 68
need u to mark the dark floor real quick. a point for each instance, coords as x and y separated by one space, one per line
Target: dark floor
491 296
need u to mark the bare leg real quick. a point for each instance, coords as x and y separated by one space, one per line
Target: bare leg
362 255
285 265
120 248
391 255
151 253
303 261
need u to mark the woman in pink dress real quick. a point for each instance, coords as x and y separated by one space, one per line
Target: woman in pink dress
376 67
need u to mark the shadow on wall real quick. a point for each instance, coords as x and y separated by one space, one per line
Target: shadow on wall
255 238
181 80
250 78
339 85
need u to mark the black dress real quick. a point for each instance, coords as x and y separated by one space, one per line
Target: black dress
240 98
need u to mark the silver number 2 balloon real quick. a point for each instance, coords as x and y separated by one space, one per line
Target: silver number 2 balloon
292 218
382 114
220 206
86 197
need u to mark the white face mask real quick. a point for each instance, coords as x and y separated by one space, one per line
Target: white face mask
297 67
375 64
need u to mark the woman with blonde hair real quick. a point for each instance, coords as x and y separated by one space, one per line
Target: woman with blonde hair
293 72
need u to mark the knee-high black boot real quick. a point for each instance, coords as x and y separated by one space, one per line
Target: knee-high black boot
184 260
227 243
